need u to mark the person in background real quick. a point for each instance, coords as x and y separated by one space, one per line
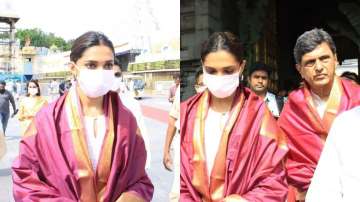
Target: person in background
84 146
284 94
54 87
134 106
18 90
172 140
172 90
5 98
351 76
119 84
30 105
10 86
199 85
259 83
64 86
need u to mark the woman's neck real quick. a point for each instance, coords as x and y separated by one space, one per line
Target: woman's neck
91 106
221 105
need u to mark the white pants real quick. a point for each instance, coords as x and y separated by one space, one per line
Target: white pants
175 189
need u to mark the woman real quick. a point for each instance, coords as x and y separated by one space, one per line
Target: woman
86 145
30 104
231 147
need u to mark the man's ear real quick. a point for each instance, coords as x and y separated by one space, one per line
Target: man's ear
298 68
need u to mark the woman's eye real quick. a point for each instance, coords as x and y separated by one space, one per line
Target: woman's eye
229 72
210 71
90 66
108 66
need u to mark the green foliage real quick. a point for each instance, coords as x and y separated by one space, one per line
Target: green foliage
167 64
42 39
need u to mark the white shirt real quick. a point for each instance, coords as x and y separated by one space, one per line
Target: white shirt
214 124
337 176
319 104
134 106
95 143
270 100
175 108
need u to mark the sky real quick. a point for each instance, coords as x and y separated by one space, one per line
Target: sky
120 20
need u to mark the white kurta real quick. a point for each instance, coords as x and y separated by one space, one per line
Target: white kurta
337 176
319 104
95 143
134 106
270 100
214 124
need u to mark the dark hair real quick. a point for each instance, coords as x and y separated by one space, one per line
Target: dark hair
86 41
309 40
222 41
350 76
116 62
35 81
258 66
3 83
198 73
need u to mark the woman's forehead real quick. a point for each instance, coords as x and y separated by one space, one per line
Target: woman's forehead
99 53
220 59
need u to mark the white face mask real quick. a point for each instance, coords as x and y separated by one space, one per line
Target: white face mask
95 83
221 86
33 91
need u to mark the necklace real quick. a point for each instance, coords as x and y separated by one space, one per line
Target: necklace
222 119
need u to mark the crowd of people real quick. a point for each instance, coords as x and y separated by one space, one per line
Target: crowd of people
228 142
245 143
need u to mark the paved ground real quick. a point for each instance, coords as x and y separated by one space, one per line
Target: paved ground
155 109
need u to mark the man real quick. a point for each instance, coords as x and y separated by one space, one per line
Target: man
54 89
351 76
119 85
18 90
199 85
134 106
337 178
5 98
64 86
173 88
310 110
173 138
258 81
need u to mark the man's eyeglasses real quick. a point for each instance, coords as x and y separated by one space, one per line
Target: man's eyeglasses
117 74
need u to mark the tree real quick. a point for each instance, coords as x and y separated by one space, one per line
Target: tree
42 39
